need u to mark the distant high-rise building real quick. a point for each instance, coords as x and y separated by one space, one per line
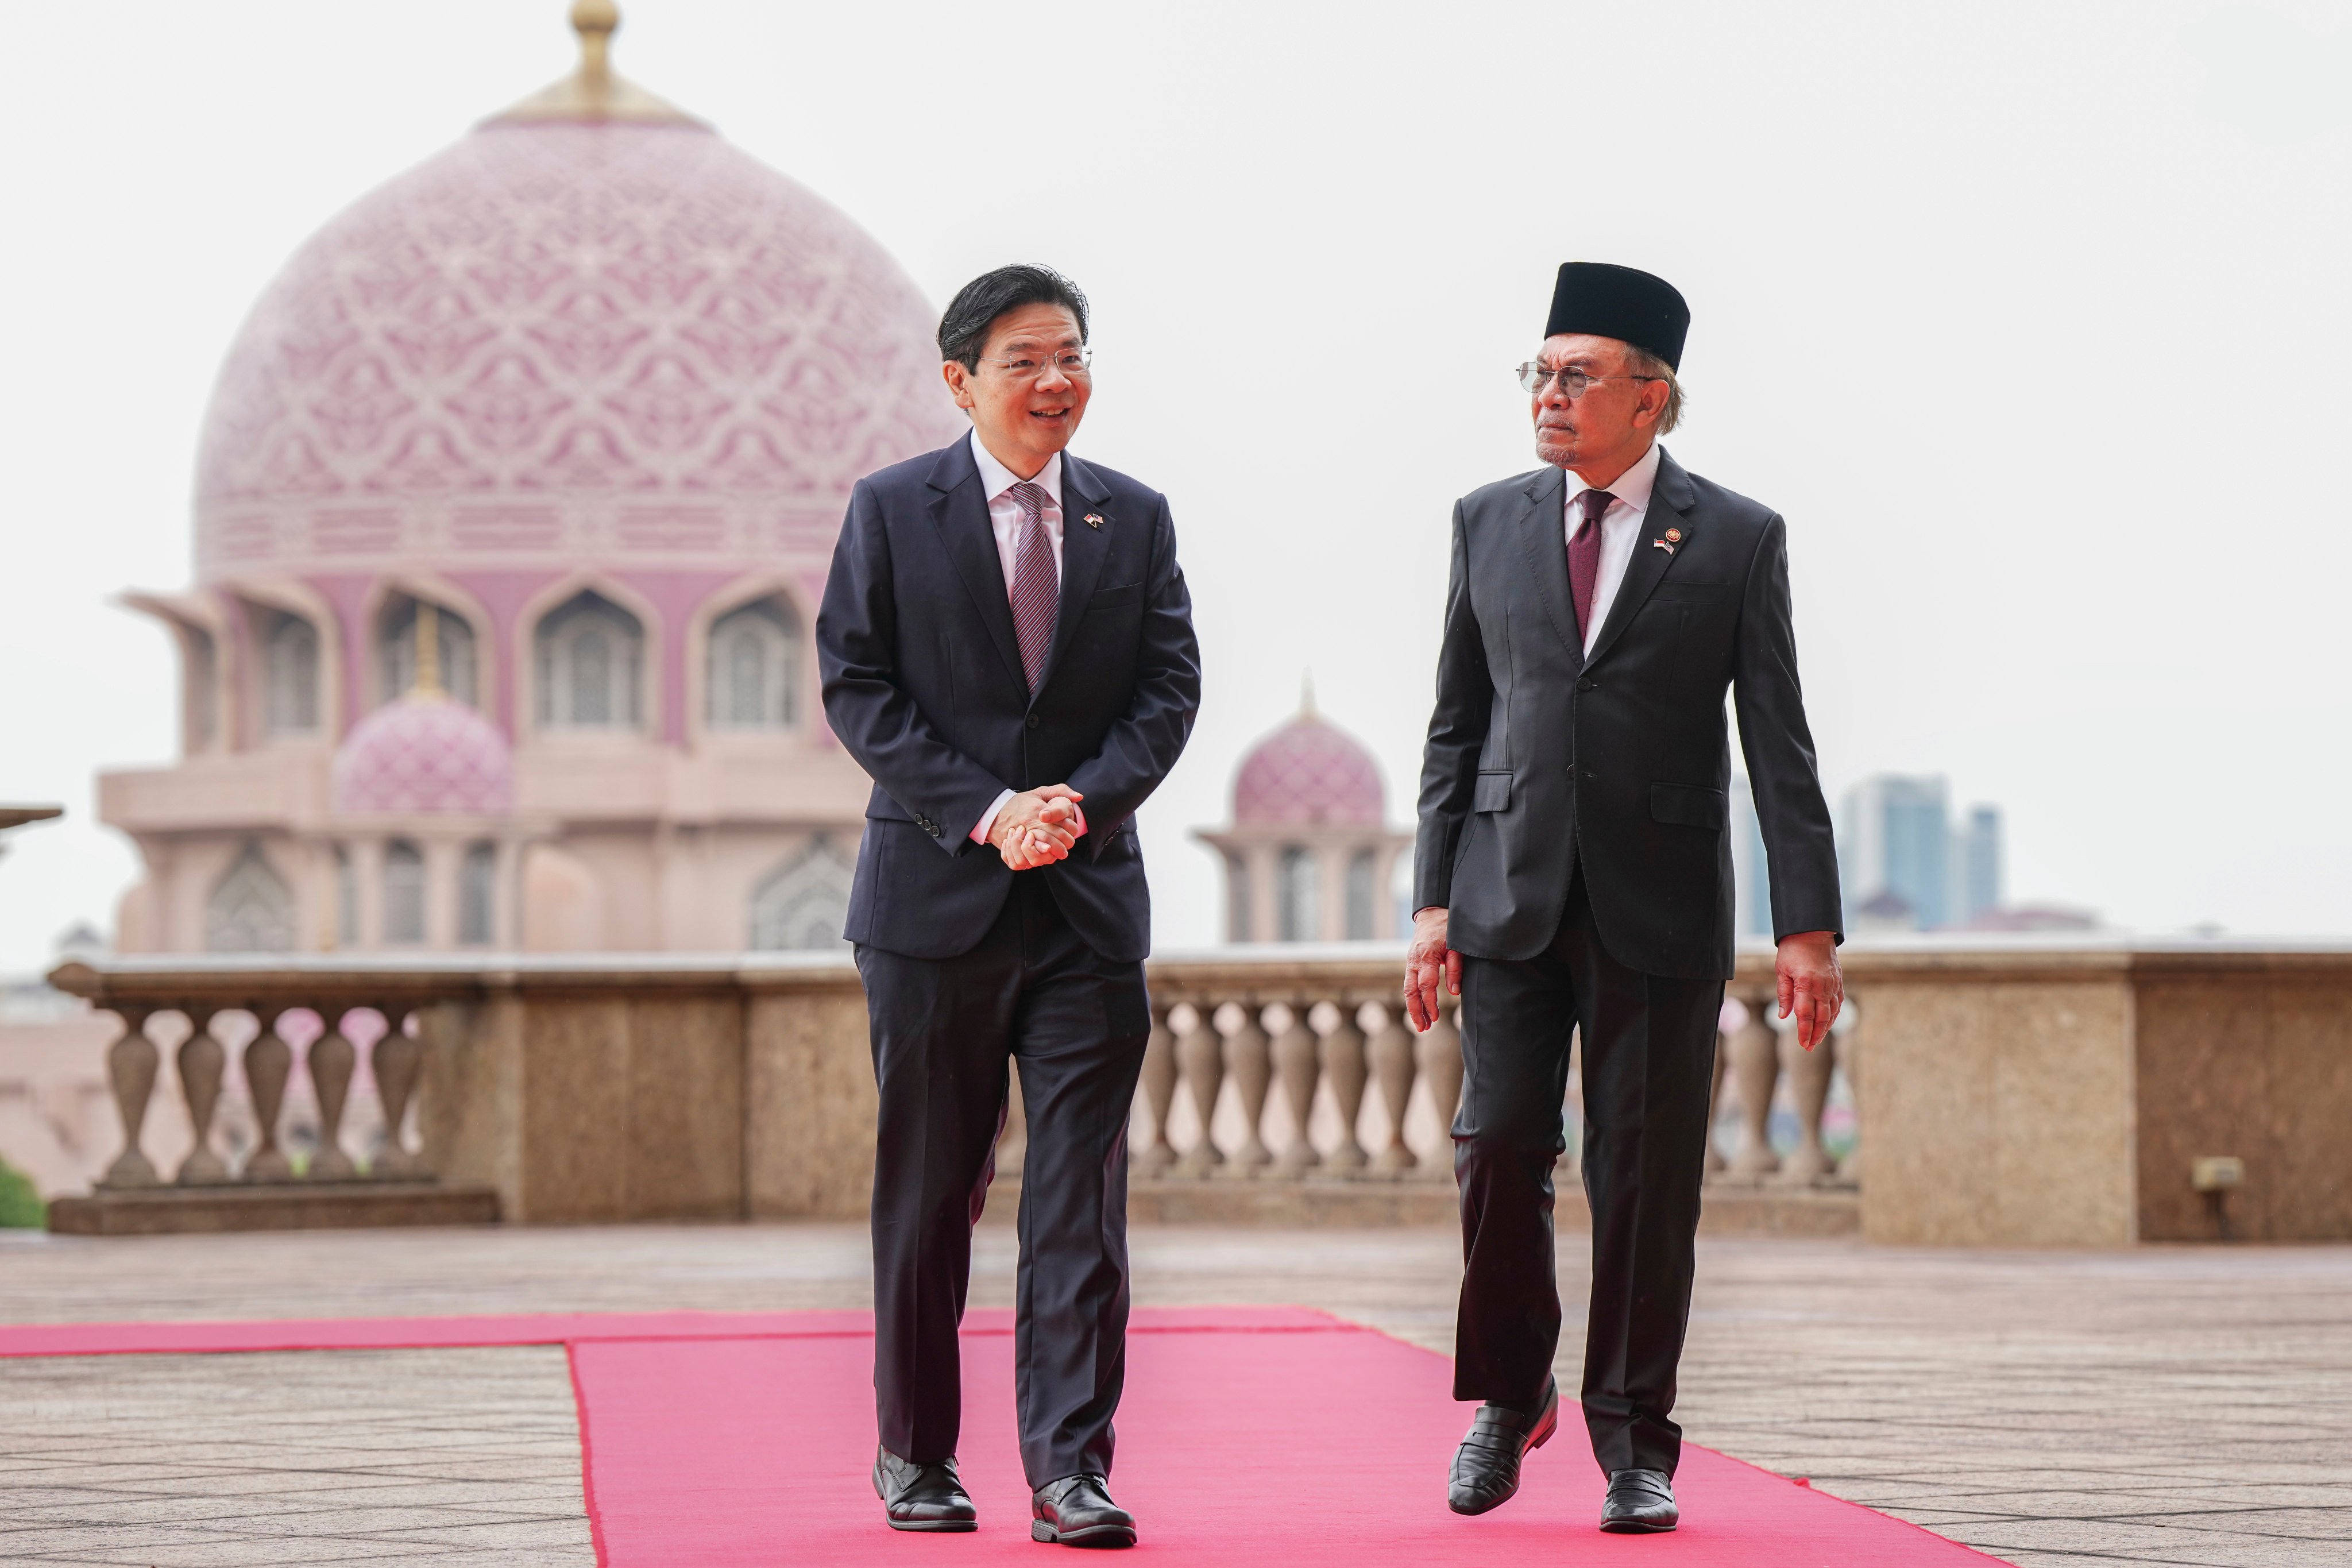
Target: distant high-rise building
1751 873
1897 839
1904 865
1975 851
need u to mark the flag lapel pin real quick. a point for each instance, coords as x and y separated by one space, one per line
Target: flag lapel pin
1093 519
1662 544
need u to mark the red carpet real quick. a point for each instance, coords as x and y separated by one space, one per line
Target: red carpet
724 1439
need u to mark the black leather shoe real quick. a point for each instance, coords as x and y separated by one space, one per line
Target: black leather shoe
1077 1510
922 1497
1486 1466
1640 1502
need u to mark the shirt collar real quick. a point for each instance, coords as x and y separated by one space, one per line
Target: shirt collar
996 479
1633 486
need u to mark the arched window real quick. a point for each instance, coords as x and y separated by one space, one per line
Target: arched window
251 908
478 886
202 672
590 666
290 674
1362 900
403 892
395 651
755 668
347 899
1298 896
804 903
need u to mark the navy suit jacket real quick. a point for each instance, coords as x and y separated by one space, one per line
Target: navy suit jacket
923 684
1539 757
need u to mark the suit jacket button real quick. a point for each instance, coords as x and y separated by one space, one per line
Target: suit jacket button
1586 684
1032 721
1588 775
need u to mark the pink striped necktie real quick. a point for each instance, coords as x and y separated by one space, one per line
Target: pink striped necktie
1584 557
1036 583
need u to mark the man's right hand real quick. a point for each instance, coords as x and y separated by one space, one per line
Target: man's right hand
1429 963
1037 826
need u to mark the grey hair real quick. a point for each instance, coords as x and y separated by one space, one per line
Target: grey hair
1642 362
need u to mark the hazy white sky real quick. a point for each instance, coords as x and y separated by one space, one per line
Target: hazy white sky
2032 319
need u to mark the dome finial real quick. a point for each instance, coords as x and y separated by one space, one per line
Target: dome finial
593 94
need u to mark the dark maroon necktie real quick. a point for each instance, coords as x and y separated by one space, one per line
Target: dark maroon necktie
1584 557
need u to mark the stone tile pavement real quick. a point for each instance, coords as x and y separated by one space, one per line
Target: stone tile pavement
2188 1406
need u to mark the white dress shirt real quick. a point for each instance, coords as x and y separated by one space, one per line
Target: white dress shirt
1620 530
1005 520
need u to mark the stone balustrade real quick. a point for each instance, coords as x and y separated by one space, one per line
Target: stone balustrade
2015 1090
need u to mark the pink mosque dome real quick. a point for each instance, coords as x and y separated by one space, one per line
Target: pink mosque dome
424 753
1309 773
592 330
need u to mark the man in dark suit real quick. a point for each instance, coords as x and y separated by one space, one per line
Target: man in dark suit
1006 646
1574 871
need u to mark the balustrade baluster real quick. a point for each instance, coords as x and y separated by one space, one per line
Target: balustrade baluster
1159 1091
1808 1083
1393 1065
1715 1164
269 1063
130 1065
1343 1069
1755 1070
332 1059
396 1059
1441 1067
1200 1053
1850 1052
1250 1061
1012 1136
1297 1059
201 1064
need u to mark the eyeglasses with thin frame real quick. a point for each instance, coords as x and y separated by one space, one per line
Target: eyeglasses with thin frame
1573 381
1071 363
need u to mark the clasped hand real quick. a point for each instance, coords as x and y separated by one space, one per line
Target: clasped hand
1038 826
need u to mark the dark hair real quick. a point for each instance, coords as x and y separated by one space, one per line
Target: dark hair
963 330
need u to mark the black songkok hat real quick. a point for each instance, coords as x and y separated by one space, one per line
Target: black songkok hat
1606 301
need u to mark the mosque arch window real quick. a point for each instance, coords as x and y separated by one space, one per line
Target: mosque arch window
478 881
1363 898
290 674
403 892
755 668
251 908
1297 895
203 708
455 653
803 903
347 898
590 666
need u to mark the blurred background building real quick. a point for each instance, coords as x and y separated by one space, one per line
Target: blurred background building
515 498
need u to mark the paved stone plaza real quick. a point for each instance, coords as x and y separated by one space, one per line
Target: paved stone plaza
2173 1406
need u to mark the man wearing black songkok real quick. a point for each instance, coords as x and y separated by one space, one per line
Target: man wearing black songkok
1573 871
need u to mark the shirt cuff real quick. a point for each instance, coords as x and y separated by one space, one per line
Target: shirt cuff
987 817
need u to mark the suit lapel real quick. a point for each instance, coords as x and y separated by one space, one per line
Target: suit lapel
1543 536
960 513
1671 499
1085 546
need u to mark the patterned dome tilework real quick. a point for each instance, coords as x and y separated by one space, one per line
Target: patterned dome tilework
424 754
1306 772
640 314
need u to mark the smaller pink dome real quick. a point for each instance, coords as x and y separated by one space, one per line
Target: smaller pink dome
1309 773
424 753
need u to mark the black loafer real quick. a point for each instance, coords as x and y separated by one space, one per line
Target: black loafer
1486 1465
922 1497
1077 1510
1640 1502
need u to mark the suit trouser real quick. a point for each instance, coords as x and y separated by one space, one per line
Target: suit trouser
1075 1023
1649 1075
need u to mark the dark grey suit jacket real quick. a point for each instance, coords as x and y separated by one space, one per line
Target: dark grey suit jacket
1538 756
923 684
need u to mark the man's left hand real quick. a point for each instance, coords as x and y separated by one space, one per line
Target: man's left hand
1813 988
